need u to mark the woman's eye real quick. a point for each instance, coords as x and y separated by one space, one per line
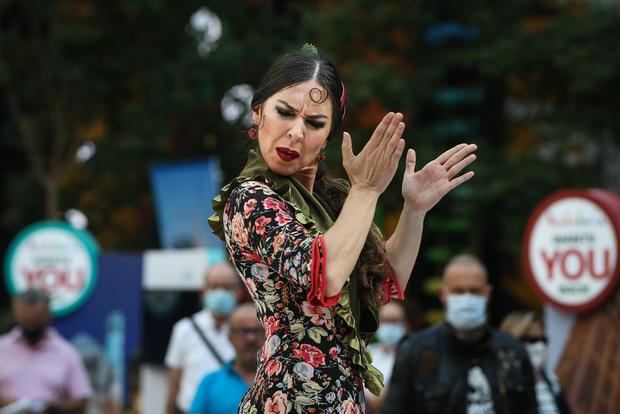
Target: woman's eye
287 113
284 112
316 124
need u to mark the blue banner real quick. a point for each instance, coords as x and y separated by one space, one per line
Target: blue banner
182 196
107 330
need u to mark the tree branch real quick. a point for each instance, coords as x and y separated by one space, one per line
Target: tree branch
24 126
45 57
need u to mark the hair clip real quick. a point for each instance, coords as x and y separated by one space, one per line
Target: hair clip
343 100
309 48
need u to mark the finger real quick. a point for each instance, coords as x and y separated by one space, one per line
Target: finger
393 126
379 131
397 153
458 167
446 155
410 163
460 180
395 138
460 155
347 148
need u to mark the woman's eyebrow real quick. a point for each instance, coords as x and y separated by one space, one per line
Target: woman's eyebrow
296 110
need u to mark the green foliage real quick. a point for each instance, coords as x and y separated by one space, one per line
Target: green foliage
556 64
126 74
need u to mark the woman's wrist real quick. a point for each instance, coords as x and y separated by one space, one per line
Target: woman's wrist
364 191
412 212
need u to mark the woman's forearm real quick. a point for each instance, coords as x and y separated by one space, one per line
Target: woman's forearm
403 246
345 239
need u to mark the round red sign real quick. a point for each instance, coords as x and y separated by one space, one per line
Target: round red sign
570 248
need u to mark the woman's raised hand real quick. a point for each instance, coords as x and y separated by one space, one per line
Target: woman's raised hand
424 188
374 167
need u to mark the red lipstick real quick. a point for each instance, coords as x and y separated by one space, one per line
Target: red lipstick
287 154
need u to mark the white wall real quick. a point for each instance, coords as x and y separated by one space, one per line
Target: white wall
558 325
153 389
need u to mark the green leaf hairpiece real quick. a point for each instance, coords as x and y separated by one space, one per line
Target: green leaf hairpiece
309 48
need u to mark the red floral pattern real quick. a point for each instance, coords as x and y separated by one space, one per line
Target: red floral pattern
304 365
311 354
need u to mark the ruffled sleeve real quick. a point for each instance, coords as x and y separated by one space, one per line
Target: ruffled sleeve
261 225
391 288
316 295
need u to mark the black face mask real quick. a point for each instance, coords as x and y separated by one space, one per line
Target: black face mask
34 334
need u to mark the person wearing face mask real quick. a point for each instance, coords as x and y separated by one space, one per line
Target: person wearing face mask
200 344
528 328
40 372
392 328
462 365
221 391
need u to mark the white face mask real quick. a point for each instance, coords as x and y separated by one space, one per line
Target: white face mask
466 311
538 353
220 301
390 333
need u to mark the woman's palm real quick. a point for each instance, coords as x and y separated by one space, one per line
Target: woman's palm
424 188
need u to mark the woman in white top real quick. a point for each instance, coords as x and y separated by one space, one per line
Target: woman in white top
528 328
392 328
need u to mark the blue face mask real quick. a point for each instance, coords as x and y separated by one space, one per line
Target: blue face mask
220 301
466 312
390 333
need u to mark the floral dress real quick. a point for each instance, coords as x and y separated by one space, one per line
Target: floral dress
305 365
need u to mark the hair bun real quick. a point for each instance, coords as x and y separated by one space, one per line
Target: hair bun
309 48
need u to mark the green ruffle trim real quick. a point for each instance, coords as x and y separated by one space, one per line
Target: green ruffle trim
287 187
359 352
312 214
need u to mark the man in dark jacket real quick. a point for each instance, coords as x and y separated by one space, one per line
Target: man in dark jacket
462 365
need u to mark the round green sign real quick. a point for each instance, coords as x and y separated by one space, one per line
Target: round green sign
54 257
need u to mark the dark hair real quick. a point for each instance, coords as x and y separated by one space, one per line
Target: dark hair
298 67
32 297
517 323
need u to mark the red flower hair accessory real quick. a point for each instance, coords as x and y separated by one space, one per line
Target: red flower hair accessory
343 101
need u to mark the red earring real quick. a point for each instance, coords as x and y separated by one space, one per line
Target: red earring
253 132
321 156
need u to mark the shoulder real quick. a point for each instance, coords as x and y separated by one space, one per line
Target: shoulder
419 340
252 188
6 339
180 331
214 377
182 325
425 336
218 374
255 197
202 317
504 340
64 347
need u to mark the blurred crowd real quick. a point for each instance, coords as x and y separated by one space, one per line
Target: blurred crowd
459 365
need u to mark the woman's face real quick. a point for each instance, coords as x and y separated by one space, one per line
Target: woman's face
293 127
